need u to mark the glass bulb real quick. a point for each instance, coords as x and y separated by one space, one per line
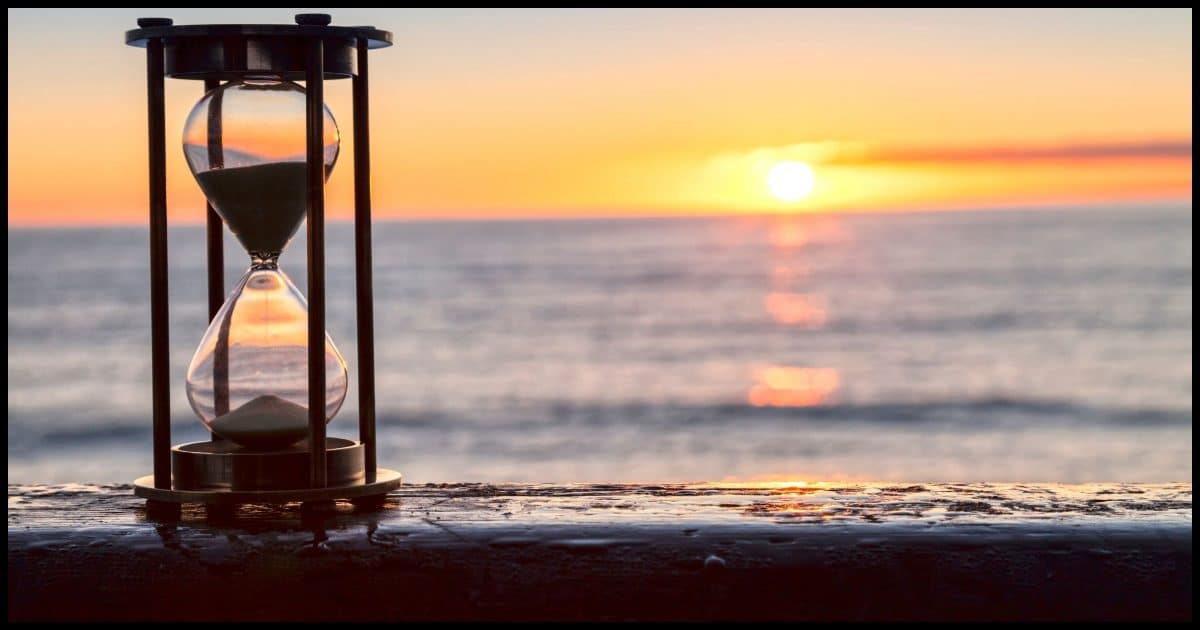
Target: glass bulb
248 380
245 143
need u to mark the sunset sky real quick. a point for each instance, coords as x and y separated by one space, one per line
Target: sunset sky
515 113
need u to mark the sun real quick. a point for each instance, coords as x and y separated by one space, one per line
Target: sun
790 181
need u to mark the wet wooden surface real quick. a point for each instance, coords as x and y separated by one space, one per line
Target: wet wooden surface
837 551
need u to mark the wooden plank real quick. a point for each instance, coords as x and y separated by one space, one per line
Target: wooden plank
700 551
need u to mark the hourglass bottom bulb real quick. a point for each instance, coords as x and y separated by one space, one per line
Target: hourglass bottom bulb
248 381
265 423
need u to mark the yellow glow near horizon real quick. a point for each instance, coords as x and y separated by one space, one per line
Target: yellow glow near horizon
791 181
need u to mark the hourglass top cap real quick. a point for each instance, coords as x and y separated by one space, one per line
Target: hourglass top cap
235 51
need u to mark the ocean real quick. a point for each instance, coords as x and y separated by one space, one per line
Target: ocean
1033 345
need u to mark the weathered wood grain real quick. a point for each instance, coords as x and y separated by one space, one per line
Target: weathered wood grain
700 551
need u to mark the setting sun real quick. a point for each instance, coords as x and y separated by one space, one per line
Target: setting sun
790 181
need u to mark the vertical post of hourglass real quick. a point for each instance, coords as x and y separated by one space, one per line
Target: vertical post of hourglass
314 86
216 253
362 260
159 325
216 248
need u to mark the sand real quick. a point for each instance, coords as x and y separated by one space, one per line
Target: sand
265 423
262 205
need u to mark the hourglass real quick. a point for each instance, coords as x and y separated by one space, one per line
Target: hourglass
266 377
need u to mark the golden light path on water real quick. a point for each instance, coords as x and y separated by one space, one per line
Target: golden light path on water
778 385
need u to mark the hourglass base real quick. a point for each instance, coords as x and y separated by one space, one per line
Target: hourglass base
222 473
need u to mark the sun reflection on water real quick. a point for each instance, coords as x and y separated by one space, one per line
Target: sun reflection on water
788 386
796 309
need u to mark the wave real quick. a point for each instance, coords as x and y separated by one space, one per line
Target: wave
984 414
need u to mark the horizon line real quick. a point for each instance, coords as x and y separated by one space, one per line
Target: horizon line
618 216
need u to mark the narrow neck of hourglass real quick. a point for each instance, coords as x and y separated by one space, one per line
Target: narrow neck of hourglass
264 260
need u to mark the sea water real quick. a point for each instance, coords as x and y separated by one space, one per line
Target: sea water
1033 345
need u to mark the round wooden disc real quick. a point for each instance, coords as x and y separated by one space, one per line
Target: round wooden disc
385 481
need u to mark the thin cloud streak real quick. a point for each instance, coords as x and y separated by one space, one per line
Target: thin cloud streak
1167 150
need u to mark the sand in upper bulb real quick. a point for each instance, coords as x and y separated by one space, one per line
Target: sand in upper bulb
263 205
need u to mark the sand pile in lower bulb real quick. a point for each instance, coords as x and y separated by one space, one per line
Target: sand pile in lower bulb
265 423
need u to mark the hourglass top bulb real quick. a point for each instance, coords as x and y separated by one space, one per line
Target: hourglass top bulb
245 144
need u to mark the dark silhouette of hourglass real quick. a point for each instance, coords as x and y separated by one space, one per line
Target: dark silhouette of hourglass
266 378
248 380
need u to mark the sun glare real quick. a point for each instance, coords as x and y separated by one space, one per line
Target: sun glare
790 181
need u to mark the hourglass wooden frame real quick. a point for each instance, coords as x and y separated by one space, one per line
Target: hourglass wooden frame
333 468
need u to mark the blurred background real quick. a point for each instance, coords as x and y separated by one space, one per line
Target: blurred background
641 245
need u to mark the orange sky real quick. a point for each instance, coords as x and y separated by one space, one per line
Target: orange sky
614 112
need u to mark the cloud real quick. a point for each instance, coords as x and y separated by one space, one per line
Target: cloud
1175 149
839 152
